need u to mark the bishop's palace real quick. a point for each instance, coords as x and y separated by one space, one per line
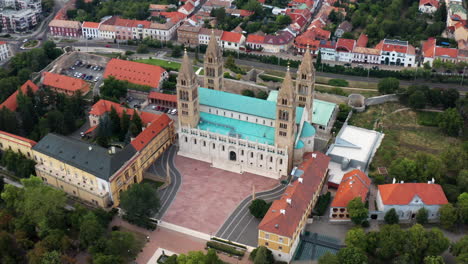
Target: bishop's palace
245 134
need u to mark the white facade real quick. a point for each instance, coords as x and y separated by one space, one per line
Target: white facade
90 32
4 51
233 45
366 58
204 39
328 54
408 211
397 58
345 56
429 9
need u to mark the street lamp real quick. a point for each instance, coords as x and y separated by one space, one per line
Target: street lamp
463 75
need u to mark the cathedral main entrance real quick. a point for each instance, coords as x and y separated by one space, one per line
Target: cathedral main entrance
232 156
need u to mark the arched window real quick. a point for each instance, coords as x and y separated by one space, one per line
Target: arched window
284 101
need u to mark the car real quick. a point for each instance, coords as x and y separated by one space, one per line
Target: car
82 134
39 38
96 79
375 67
90 38
107 46
162 109
153 107
166 110
88 66
448 71
347 64
173 111
25 40
137 106
72 68
83 76
158 107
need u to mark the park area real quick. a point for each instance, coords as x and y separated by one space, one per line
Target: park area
406 132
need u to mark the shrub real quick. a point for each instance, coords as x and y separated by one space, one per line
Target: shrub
338 82
365 224
225 248
262 95
247 92
322 203
129 52
140 221
228 242
268 78
259 208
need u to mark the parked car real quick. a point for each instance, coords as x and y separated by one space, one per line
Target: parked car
347 64
153 107
96 79
173 111
137 106
158 107
107 46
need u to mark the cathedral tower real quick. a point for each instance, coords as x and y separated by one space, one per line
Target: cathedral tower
187 94
305 85
213 65
285 127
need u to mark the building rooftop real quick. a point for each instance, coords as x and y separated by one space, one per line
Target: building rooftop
354 184
90 24
103 106
134 72
90 158
403 193
163 96
151 131
31 142
231 36
11 102
65 23
64 82
296 197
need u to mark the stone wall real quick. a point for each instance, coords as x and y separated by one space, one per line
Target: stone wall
381 99
337 99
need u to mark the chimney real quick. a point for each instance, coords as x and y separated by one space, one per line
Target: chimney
276 226
300 179
394 181
288 200
283 211
314 155
402 182
90 148
433 180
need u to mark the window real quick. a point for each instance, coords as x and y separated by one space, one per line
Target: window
266 244
284 101
214 146
283 125
267 236
280 247
283 115
280 240
282 133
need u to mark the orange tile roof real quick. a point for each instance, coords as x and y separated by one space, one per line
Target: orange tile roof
252 38
446 52
299 194
134 72
103 106
31 143
188 7
346 44
156 126
66 83
354 184
163 96
428 48
11 102
433 3
362 40
90 25
403 193
231 36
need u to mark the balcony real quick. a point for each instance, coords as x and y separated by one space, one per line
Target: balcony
62 176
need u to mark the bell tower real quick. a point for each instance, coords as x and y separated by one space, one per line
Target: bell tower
285 125
305 85
187 94
213 65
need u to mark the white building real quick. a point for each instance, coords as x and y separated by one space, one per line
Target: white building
90 30
366 55
4 51
397 52
344 48
428 6
232 40
408 198
204 35
328 50
18 20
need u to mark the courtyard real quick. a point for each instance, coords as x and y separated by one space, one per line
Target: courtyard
207 196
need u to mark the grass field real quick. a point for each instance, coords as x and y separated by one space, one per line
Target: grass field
168 65
404 133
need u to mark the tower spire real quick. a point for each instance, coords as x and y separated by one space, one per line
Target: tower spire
213 65
305 84
287 87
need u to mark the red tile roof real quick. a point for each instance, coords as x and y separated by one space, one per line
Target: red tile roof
134 72
428 48
163 96
362 40
2 42
174 17
31 143
403 193
11 102
257 39
446 52
391 47
188 7
433 3
231 36
90 25
64 82
156 126
354 184
300 195
345 44
103 106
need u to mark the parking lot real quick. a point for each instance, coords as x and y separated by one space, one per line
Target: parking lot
88 72
160 109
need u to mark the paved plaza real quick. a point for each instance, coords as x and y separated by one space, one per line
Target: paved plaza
207 196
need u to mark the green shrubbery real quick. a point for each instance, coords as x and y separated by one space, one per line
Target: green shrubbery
225 248
259 208
268 78
322 203
338 82
18 164
228 242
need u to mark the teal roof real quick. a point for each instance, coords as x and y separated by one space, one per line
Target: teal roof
300 144
307 130
273 96
233 127
303 6
241 104
323 112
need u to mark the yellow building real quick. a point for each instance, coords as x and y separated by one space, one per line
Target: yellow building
16 144
96 174
282 225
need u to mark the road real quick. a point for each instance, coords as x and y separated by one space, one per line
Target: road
167 195
241 226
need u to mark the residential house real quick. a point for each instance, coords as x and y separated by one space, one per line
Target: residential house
107 32
344 48
408 198
428 6
278 43
188 35
239 12
187 8
4 51
205 34
65 28
232 40
366 55
90 30
344 27
431 52
283 224
11 102
254 42
328 50
354 184
362 41
135 72
397 52
64 84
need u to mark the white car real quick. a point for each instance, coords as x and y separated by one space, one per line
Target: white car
173 111
153 107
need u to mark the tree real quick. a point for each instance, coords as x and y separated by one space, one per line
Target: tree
51 50
433 260
262 255
460 250
318 62
115 121
462 205
448 216
421 216
138 124
462 180
391 217
262 95
403 169
352 255
388 85
2 185
356 237
451 122
423 243
176 51
329 258
388 243
124 125
140 200
357 211
230 62
259 208
247 92
417 100
450 97
90 229
142 49
53 257
122 244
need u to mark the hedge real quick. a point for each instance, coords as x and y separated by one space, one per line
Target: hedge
225 248
268 78
322 203
338 82
228 242
140 221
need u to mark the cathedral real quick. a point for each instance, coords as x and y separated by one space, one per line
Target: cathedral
245 134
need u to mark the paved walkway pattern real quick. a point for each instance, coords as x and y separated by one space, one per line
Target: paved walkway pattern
207 195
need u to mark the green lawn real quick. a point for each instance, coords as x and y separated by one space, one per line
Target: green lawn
405 133
168 65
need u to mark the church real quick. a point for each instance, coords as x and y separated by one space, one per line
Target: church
245 134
